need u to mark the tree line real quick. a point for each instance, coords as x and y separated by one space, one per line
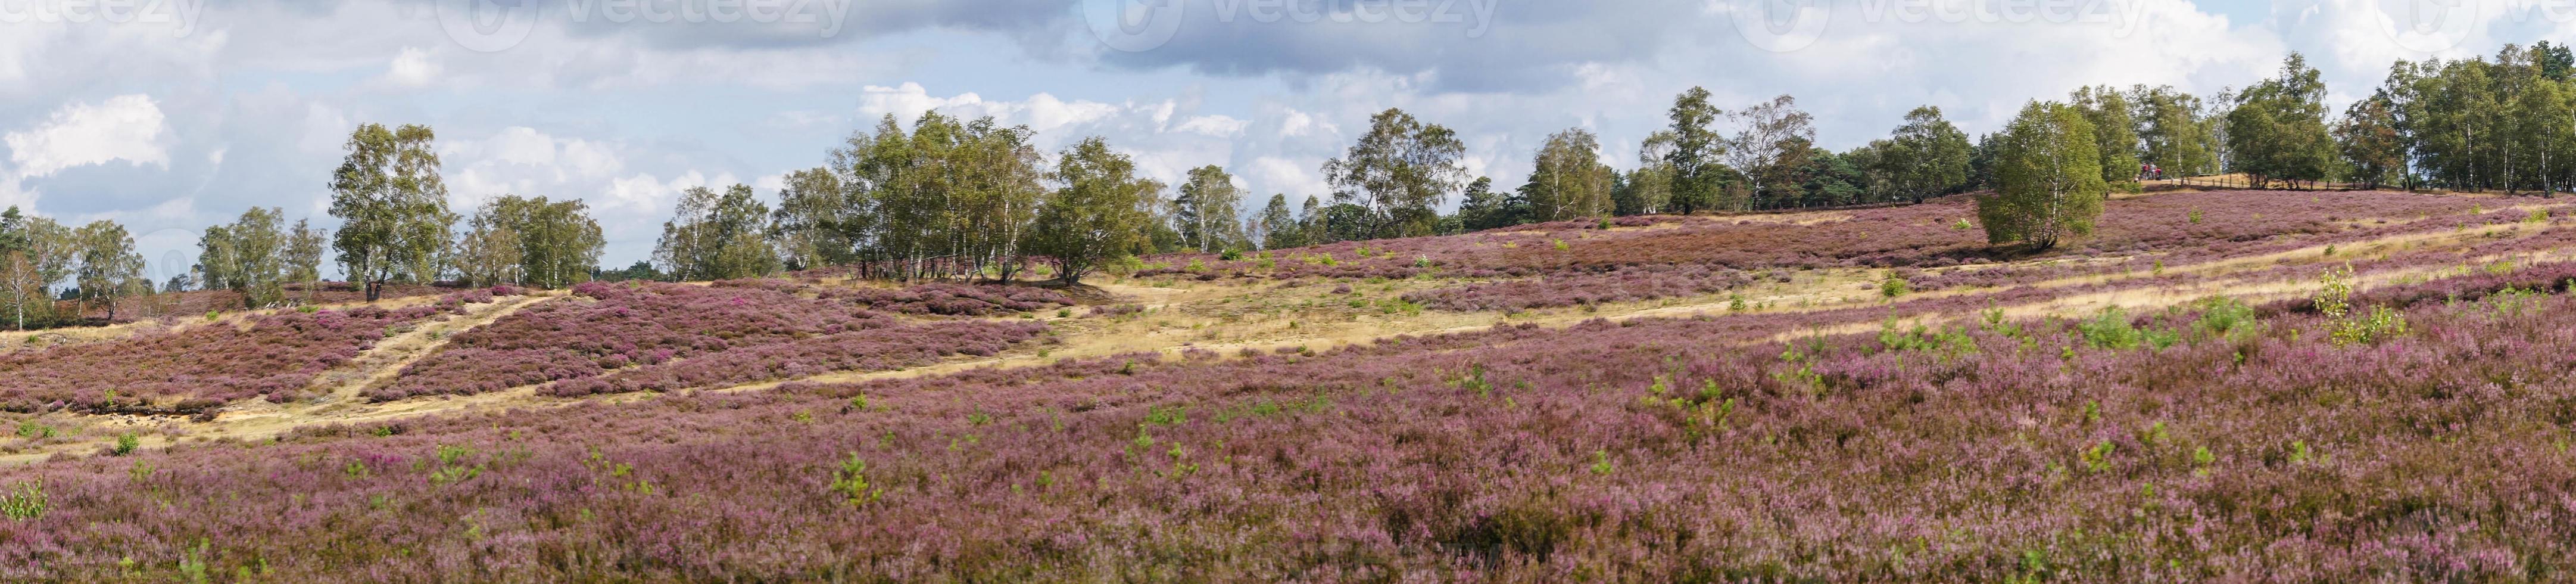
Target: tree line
950 198
36 253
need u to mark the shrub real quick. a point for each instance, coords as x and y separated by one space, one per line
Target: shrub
23 502
2110 329
851 481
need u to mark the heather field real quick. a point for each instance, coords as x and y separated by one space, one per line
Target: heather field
189 367
2216 386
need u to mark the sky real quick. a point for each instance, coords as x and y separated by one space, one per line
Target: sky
170 115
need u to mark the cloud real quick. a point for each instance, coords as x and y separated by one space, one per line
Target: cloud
414 68
125 127
249 104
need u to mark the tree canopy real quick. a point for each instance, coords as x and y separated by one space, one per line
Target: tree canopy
2048 178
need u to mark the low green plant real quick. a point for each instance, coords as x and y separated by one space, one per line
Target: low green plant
2381 324
2334 293
125 444
2098 458
2225 317
25 502
2110 329
851 481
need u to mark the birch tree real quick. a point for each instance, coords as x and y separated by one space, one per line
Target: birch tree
2049 175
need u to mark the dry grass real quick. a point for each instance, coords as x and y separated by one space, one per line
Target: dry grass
1230 315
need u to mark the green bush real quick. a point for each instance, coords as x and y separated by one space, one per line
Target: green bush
851 481
25 502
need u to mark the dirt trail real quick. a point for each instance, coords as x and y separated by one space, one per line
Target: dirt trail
1265 316
337 390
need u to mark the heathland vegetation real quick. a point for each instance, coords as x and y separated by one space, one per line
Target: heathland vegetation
2017 357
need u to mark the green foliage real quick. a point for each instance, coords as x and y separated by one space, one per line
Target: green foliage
851 482
125 444
2115 136
530 241
247 256
1691 148
392 205
2277 130
1925 157
1893 285
1100 212
2098 458
1204 213
1568 180
2110 329
1895 337
192 564
714 236
2225 317
1398 173
2381 324
23 502
2334 292
2049 175
452 466
1398 305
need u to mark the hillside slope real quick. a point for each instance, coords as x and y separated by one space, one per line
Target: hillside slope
1865 394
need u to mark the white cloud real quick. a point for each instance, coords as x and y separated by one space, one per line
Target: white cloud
414 68
1215 125
646 195
906 102
126 127
626 116
1296 178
